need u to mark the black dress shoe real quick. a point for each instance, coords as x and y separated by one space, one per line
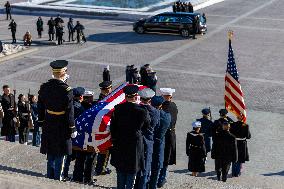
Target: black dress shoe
161 184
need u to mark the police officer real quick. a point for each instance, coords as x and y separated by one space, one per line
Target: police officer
242 133
170 138
224 151
143 177
206 128
103 157
56 116
159 140
127 122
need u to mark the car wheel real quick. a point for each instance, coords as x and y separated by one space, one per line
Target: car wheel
184 33
140 30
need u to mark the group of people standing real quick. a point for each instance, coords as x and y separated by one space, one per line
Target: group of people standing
19 118
55 27
145 76
182 7
229 144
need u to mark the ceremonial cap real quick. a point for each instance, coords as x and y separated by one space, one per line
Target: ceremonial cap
223 111
157 100
146 93
196 124
78 91
105 84
131 90
225 123
88 93
206 111
167 91
58 65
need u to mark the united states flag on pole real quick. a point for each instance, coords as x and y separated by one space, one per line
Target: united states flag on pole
93 124
234 98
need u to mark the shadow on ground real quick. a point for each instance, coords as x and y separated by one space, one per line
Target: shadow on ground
281 173
21 171
133 38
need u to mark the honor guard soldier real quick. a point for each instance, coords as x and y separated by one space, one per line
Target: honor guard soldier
127 122
224 151
206 128
170 138
143 177
241 131
56 116
217 126
103 157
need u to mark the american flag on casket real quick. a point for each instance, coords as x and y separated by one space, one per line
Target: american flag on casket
93 125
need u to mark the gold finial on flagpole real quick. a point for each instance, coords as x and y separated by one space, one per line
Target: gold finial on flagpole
230 34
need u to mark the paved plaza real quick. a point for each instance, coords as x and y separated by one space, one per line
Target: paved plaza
195 68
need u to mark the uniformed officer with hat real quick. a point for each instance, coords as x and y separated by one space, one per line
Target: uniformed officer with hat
206 127
56 116
170 138
103 157
143 177
127 122
217 125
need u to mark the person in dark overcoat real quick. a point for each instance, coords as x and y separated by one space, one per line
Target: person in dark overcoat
206 128
127 122
242 133
224 151
190 7
56 116
8 105
13 28
143 176
79 28
70 27
218 124
58 21
151 79
159 141
51 29
195 149
170 138
106 74
144 74
39 27
8 10
23 112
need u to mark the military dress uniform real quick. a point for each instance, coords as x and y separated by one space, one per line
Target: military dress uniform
56 115
206 129
127 122
103 157
143 177
170 138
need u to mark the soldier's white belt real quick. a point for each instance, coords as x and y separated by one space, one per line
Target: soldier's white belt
240 138
25 114
55 113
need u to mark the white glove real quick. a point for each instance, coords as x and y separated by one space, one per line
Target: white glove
73 135
15 119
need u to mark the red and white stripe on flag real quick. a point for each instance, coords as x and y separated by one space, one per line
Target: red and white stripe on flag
234 100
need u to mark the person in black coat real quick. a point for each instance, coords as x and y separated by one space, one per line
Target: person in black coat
51 29
143 177
13 28
106 74
170 138
8 105
218 124
59 33
159 141
144 75
151 79
79 28
189 7
242 133
23 111
206 128
70 27
127 122
39 27
195 149
56 116
224 151
58 21
8 9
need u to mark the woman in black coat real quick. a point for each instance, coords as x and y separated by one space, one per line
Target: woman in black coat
195 149
23 112
241 131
